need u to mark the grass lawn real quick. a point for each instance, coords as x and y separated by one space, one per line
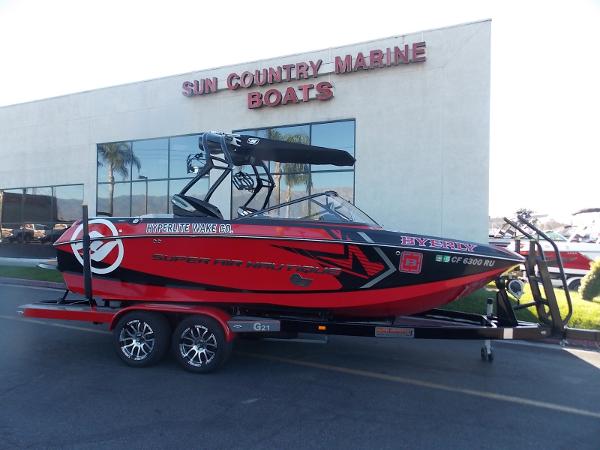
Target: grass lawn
30 273
586 314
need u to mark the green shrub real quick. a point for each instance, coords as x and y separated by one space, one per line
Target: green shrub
590 284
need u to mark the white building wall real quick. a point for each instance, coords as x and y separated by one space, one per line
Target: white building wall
422 130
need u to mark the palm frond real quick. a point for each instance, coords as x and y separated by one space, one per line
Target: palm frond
119 156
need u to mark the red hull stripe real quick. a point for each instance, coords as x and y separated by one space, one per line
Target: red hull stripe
399 300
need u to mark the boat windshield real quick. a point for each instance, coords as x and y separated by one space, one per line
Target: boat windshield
327 207
585 234
586 227
555 236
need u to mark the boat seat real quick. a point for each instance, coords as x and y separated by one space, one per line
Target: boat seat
186 206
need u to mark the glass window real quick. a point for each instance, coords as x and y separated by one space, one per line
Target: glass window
114 161
139 197
157 197
142 170
291 186
294 180
38 204
199 190
262 133
113 200
33 214
340 182
181 147
12 206
299 134
339 135
68 200
238 198
150 159
56 232
7 232
148 197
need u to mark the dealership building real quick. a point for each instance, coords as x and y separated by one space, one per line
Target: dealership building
413 109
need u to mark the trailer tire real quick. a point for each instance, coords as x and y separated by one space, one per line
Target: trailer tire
142 338
574 284
199 344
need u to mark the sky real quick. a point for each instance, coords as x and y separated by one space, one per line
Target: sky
545 93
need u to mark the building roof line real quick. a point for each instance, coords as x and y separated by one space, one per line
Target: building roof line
246 63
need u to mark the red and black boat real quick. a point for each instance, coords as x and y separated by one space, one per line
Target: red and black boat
193 281
316 253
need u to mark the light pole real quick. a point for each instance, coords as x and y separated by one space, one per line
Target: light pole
145 178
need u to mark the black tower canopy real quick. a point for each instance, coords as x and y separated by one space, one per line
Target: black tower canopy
248 149
223 152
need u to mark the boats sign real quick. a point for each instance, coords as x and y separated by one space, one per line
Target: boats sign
304 73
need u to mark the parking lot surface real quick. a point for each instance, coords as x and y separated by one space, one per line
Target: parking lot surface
61 385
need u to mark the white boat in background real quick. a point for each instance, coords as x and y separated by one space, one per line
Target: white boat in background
577 250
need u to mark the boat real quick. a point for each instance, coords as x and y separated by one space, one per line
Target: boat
577 250
318 253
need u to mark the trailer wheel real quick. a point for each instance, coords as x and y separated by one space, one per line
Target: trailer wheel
142 338
487 355
199 344
573 285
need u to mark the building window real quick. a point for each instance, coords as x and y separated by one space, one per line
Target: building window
139 177
297 180
38 214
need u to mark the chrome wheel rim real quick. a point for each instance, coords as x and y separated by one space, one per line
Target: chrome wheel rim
136 340
198 345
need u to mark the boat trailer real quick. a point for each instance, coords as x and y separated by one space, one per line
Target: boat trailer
203 335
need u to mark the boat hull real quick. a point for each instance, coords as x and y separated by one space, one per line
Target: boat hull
345 269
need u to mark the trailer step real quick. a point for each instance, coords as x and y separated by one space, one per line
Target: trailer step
82 313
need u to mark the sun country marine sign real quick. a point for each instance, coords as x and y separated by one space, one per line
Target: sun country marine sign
305 72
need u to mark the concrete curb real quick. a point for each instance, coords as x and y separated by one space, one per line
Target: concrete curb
35 283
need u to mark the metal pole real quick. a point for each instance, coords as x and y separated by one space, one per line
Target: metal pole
487 344
87 272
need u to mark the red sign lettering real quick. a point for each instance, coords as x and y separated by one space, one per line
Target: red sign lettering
231 84
254 100
290 96
272 97
344 65
376 58
324 89
305 88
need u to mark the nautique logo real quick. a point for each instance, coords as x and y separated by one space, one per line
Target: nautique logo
110 252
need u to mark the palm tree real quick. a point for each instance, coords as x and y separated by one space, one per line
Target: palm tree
119 157
296 173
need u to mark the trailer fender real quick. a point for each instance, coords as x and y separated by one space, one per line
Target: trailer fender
217 314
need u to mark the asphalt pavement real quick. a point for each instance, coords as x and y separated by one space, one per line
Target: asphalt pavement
62 386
